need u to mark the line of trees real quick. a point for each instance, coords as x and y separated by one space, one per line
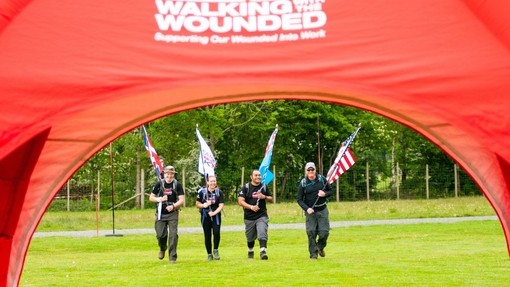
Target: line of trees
238 133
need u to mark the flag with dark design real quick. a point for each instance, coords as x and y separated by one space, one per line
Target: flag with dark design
206 161
344 159
153 155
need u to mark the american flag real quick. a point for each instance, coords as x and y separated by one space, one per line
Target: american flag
344 160
153 155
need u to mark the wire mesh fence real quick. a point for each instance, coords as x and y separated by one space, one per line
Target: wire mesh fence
362 182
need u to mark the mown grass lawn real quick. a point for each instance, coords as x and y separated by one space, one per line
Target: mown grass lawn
454 254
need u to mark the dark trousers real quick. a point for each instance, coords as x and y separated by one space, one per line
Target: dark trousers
166 233
211 226
317 230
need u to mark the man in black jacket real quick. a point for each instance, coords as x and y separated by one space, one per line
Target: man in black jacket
313 194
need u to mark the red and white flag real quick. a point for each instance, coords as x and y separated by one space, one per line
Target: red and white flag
153 155
344 159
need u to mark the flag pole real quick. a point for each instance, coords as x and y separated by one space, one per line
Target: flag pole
347 144
266 161
206 195
156 164
341 153
202 159
113 195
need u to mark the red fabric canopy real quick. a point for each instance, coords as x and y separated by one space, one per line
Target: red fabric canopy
76 75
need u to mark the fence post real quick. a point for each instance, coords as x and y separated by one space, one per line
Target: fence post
68 195
338 189
368 183
98 190
138 187
242 176
397 182
274 184
142 189
184 183
98 201
427 180
456 178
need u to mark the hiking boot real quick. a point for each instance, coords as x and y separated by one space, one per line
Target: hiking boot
209 257
263 255
161 254
321 252
251 254
216 254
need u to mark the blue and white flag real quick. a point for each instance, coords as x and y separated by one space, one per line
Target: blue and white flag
267 175
206 161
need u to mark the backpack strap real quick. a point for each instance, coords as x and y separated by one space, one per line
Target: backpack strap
322 180
319 177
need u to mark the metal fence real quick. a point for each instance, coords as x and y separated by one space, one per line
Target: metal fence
359 183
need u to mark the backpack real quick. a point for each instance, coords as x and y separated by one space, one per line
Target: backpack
321 179
162 187
247 187
216 193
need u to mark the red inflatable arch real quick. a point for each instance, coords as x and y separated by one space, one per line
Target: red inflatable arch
76 75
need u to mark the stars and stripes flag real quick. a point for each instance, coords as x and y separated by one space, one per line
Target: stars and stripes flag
344 159
266 174
153 155
206 161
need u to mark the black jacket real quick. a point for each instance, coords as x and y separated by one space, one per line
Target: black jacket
308 191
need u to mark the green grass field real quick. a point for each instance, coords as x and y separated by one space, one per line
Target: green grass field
454 254
279 213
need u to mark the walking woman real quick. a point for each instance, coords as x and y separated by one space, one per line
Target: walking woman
210 201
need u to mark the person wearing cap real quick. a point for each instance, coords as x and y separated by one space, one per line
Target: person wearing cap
313 194
169 196
252 197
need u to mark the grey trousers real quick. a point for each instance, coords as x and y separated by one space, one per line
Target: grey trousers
166 233
317 230
256 229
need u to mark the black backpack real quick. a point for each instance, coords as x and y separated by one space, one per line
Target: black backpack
216 193
247 187
162 187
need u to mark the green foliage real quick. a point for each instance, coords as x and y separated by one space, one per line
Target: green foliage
238 134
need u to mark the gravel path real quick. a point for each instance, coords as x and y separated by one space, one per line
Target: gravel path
334 224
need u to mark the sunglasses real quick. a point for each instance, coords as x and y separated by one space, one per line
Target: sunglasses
310 169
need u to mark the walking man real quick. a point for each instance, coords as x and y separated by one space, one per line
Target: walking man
169 196
313 194
252 197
